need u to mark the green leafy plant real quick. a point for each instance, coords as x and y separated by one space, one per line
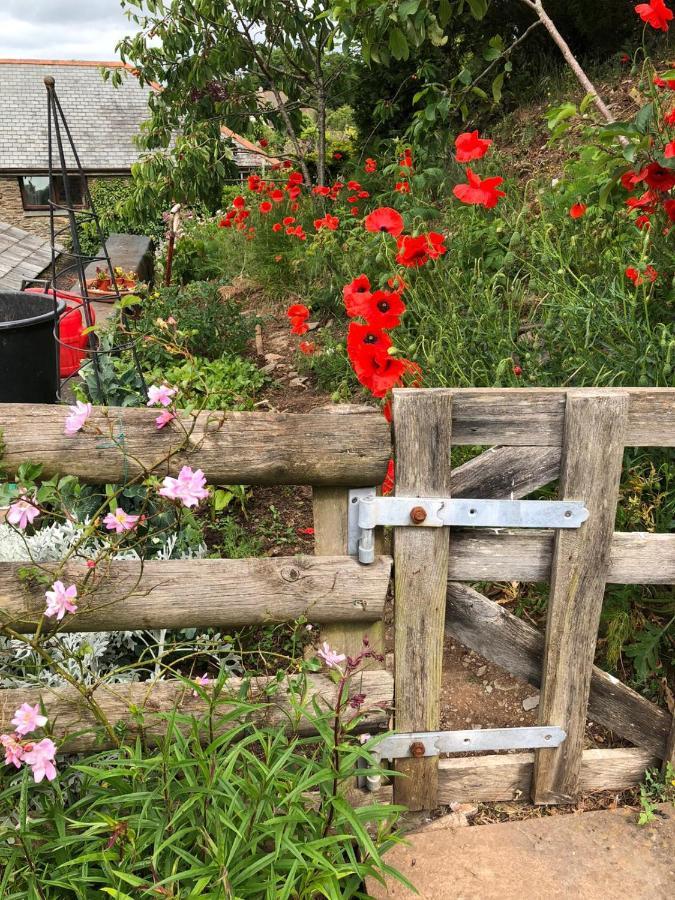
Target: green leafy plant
657 787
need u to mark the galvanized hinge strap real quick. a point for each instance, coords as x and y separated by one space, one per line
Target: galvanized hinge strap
367 512
432 743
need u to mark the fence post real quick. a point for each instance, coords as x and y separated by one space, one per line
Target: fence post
422 437
593 441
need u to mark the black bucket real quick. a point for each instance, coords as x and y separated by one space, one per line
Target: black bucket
28 351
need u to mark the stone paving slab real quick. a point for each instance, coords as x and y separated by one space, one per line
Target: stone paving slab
585 856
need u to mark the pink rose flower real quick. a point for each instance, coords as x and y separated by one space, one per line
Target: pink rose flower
27 718
119 521
160 395
40 758
188 487
60 600
22 513
78 416
330 657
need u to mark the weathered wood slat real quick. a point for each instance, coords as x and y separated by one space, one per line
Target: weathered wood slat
535 416
479 554
486 627
207 593
591 471
330 537
230 448
506 473
508 776
422 434
70 715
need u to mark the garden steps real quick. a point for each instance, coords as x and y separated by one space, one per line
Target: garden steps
588 856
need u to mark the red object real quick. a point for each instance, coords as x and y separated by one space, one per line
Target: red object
74 344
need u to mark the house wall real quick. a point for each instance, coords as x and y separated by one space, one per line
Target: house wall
12 211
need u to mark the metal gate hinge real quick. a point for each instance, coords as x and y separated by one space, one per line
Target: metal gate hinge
368 511
415 744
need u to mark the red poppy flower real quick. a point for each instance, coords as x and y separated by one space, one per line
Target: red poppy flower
469 146
517 371
384 219
321 190
277 227
578 210
406 161
263 142
356 290
655 13
225 223
381 309
308 531
253 182
659 178
403 187
667 83
299 327
239 203
328 221
277 195
670 117
354 210
630 180
288 220
417 251
479 192
646 202
669 207
386 410
354 185
307 347
287 164
363 195
265 207
669 151
388 483
337 155
243 214
371 165
625 58
353 199
643 222
650 273
297 311
294 207
362 338
294 178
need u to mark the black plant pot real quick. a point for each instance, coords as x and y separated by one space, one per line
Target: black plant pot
28 350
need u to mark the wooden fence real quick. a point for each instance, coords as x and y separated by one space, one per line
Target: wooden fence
535 436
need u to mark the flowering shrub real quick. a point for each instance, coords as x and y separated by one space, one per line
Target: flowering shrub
222 801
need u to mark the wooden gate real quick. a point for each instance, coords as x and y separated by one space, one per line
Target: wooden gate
535 436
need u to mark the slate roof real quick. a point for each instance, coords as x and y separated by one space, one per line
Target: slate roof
103 120
22 255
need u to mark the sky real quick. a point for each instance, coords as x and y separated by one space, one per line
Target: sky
61 29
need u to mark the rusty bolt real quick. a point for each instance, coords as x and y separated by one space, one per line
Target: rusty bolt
417 749
417 515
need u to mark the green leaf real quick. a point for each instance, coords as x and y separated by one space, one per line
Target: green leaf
497 86
444 12
644 118
478 8
129 300
398 44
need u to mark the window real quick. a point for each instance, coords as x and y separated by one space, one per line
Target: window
35 191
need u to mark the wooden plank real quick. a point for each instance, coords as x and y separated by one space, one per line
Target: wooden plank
507 776
230 448
506 473
590 471
229 592
71 716
479 554
330 537
422 436
535 416
486 627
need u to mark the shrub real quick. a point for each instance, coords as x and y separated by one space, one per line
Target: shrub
110 197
